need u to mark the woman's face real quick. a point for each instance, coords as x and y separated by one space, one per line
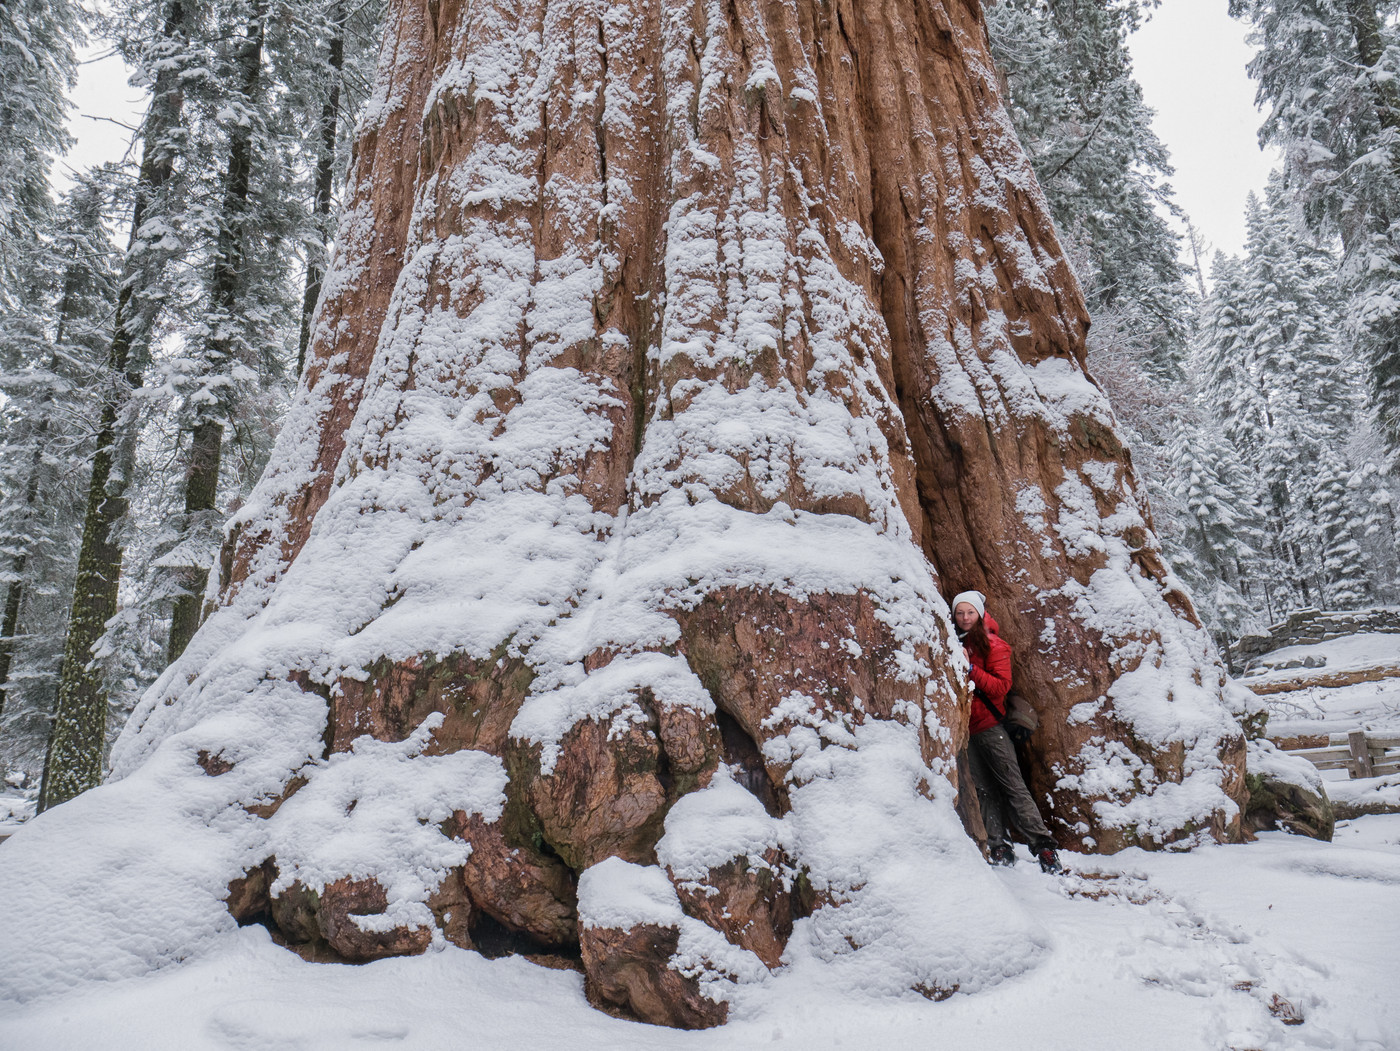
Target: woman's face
965 616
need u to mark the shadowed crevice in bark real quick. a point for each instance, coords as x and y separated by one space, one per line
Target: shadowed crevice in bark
495 940
742 751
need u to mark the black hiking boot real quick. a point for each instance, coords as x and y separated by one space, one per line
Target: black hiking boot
1002 854
1049 861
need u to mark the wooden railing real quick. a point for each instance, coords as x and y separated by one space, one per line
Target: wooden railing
1360 754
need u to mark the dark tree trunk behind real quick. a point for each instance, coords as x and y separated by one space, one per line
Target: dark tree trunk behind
207 434
325 180
73 760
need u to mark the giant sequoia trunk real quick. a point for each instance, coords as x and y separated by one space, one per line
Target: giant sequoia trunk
675 358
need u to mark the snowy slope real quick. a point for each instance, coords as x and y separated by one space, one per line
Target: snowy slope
1313 711
1317 712
1175 952
1363 652
1320 711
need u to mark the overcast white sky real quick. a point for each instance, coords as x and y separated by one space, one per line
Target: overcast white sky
101 97
1189 59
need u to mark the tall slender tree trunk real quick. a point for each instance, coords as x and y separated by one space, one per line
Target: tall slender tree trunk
325 175
206 445
73 760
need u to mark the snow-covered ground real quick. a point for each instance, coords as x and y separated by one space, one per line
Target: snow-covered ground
15 809
1163 951
1319 712
1370 706
1352 653
1219 948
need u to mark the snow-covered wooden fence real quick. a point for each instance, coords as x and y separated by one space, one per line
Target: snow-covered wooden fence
1358 753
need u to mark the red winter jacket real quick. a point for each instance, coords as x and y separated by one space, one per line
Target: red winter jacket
992 676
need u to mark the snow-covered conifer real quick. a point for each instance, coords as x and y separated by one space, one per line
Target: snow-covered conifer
1223 363
54 337
1327 72
1219 553
38 64
1081 117
1340 525
1273 367
1380 538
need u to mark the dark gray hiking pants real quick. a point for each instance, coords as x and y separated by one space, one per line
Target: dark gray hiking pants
1002 792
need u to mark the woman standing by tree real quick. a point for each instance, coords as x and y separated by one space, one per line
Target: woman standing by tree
990 754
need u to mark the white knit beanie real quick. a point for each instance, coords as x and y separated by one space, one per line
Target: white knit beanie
975 599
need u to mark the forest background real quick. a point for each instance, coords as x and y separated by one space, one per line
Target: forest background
154 316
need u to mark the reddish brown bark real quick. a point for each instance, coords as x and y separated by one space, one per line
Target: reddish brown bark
854 159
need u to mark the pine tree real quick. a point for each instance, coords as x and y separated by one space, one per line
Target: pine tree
73 761
1294 325
38 64
1327 72
1081 117
1219 555
1380 537
1340 525
55 341
1224 364
1273 370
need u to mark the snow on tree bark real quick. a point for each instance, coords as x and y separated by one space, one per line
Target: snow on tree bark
672 361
